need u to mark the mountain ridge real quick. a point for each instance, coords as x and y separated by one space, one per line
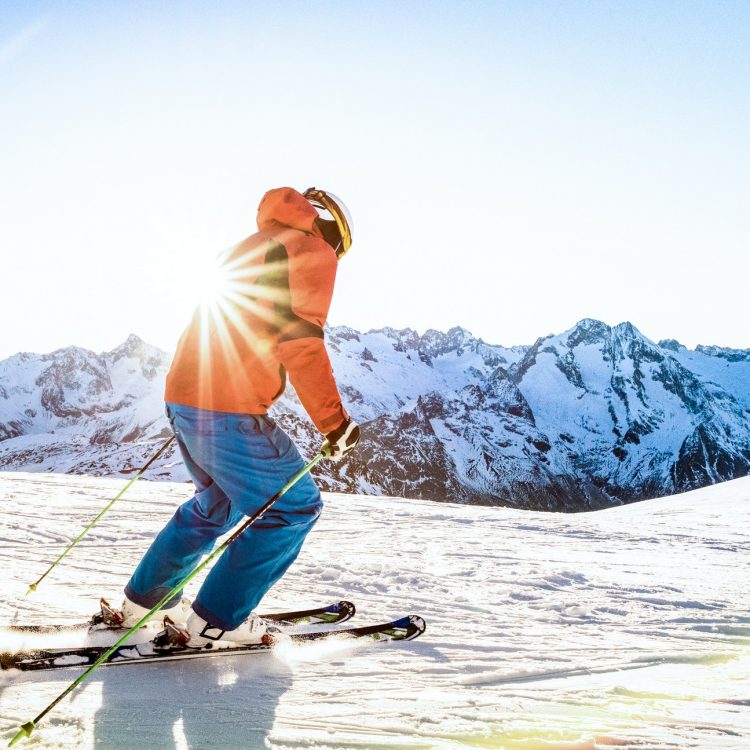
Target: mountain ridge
595 416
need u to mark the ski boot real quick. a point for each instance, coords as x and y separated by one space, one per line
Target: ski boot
110 618
199 634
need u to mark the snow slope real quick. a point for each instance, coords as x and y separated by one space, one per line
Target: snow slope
626 627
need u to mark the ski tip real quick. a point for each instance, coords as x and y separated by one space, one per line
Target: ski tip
414 625
347 610
418 622
24 730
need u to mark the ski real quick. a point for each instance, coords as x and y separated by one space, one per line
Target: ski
333 613
403 629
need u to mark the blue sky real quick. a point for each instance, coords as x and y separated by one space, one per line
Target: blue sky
512 167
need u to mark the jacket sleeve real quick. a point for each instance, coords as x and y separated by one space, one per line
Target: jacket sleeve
312 273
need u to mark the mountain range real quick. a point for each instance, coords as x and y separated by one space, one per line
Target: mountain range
588 418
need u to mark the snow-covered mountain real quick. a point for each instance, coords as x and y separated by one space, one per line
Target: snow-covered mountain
80 412
591 417
638 420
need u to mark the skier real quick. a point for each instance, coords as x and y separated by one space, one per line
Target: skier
231 364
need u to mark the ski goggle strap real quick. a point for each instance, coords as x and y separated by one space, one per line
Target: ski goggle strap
337 209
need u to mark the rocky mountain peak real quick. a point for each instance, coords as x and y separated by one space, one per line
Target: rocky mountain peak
731 355
404 338
459 333
67 365
436 343
626 330
672 345
73 379
150 359
68 354
337 334
588 331
131 347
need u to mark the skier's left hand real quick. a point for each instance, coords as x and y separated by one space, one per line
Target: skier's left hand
342 440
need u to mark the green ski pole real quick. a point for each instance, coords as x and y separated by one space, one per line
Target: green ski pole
26 729
138 475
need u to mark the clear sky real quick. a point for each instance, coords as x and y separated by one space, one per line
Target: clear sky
512 167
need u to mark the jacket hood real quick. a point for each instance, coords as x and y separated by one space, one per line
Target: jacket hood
287 207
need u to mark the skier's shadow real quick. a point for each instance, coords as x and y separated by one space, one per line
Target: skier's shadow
201 704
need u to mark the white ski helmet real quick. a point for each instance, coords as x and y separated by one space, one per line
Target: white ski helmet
334 215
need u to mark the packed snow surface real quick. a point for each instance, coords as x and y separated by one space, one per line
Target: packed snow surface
623 628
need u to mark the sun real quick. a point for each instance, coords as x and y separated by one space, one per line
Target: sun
229 298
202 282
213 283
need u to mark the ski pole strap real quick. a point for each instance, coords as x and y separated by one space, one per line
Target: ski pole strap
26 729
133 480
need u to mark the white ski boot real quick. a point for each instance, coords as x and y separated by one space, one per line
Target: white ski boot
130 613
198 633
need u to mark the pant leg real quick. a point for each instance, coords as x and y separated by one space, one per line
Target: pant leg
187 537
250 460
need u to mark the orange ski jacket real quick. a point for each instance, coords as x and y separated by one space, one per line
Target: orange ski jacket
236 353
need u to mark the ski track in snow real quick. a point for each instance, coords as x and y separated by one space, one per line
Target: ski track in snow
623 628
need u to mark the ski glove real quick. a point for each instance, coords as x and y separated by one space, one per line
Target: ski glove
342 440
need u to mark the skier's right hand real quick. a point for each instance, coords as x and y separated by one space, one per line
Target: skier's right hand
342 440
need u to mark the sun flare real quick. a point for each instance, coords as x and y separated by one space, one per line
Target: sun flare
214 283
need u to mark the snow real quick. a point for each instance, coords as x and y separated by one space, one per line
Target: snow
626 627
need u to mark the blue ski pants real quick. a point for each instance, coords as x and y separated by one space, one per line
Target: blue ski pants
237 462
